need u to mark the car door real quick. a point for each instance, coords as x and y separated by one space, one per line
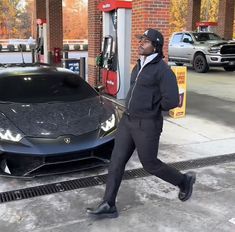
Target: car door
187 47
174 51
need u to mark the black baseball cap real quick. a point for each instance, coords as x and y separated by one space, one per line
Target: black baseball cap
153 35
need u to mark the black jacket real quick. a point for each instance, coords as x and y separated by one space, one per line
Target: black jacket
154 90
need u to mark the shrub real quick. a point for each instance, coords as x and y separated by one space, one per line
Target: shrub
66 47
11 47
85 47
77 47
21 47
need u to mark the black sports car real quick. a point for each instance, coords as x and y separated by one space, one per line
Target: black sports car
50 118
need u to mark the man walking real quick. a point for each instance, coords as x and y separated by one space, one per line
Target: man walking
153 89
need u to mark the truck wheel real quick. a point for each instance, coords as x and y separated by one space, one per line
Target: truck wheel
229 69
199 64
179 64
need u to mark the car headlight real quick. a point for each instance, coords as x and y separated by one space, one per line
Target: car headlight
108 124
9 135
214 49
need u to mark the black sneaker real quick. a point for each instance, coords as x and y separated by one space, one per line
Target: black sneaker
104 210
186 188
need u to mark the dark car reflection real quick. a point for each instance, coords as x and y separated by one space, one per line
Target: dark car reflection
52 121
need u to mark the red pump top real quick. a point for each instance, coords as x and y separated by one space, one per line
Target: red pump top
110 5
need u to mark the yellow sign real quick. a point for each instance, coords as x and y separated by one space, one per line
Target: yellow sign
181 76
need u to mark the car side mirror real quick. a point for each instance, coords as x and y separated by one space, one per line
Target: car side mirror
186 40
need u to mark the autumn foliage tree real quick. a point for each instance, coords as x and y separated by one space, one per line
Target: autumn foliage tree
17 21
75 19
9 18
209 12
178 15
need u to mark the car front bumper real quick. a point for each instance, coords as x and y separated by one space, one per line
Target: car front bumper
220 61
54 156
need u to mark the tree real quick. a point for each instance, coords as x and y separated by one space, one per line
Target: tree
8 18
178 15
209 10
75 18
17 21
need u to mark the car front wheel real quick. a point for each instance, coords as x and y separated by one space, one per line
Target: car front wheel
199 64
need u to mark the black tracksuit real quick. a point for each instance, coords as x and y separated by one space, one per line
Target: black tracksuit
152 91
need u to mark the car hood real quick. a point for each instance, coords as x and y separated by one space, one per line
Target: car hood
215 42
55 119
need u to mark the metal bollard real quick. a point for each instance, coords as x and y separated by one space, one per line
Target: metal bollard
66 55
33 55
83 67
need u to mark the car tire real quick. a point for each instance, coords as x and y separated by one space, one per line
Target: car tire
229 69
179 64
200 64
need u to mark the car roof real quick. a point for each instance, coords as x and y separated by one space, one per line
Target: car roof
34 71
207 32
197 32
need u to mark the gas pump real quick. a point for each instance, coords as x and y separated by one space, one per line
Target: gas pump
115 56
206 26
41 47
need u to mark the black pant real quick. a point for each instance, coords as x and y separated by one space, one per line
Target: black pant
142 134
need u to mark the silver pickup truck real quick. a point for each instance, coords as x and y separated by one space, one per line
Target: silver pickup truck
202 50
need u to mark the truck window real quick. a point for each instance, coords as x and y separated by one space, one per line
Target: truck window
176 38
206 36
188 37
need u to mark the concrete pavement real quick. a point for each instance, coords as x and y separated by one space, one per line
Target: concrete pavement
149 204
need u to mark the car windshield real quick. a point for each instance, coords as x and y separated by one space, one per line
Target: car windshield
206 36
44 88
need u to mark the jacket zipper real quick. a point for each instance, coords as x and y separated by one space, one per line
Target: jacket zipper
128 106
132 93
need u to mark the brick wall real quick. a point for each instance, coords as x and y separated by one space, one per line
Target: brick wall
94 38
194 8
149 14
226 18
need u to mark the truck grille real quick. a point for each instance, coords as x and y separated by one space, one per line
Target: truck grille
228 49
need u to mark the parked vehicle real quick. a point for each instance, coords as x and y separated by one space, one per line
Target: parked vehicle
52 121
202 50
